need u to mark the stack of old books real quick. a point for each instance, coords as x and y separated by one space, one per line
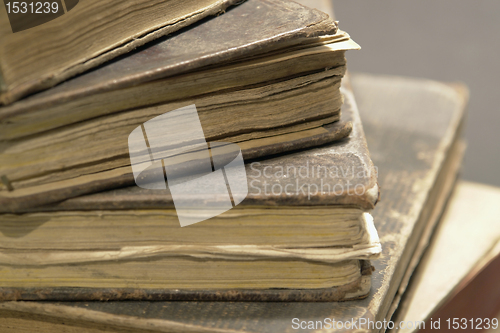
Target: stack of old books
235 127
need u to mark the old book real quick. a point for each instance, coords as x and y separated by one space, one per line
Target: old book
417 161
72 139
40 47
437 291
304 228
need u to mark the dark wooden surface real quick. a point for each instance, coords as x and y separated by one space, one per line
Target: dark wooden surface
410 127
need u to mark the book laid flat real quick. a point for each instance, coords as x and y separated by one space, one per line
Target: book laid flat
307 237
414 156
447 267
273 88
82 35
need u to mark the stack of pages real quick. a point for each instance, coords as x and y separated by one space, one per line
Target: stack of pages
100 172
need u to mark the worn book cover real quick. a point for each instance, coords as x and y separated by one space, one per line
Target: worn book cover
43 44
417 161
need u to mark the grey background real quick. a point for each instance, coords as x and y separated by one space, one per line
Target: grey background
447 40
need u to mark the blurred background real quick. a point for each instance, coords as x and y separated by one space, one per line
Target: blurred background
445 40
